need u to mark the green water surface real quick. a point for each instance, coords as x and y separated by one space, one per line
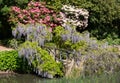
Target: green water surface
28 78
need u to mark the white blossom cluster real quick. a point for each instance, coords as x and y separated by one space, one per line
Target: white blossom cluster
75 16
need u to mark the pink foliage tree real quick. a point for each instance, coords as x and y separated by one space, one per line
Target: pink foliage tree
36 12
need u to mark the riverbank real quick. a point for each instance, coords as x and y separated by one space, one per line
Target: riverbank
29 78
9 57
7 72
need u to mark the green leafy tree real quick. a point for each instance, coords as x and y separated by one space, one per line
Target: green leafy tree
104 16
5 27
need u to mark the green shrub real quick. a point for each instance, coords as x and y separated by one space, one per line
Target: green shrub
54 4
103 20
5 27
99 62
112 41
97 57
9 60
104 15
40 59
78 45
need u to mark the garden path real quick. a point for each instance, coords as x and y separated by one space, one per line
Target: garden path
3 48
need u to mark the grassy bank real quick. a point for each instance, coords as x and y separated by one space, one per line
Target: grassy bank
103 78
28 78
9 60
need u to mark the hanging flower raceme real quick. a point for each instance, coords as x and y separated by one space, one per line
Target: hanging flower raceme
34 33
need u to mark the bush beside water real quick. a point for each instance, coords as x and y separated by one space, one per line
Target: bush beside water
95 57
9 60
78 52
104 78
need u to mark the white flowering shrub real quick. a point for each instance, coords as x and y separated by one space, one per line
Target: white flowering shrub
75 16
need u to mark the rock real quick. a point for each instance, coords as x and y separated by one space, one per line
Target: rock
7 72
44 74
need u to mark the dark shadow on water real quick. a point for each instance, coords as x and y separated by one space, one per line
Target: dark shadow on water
29 78
20 78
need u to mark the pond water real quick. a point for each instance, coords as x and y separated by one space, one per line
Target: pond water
28 78
20 78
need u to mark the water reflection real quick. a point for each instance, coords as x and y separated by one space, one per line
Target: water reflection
20 78
28 78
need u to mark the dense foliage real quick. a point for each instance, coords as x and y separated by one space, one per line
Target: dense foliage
103 19
91 56
5 27
64 50
101 62
69 38
36 12
10 61
42 62
67 46
35 36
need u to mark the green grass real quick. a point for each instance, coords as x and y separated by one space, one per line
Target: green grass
113 78
28 78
